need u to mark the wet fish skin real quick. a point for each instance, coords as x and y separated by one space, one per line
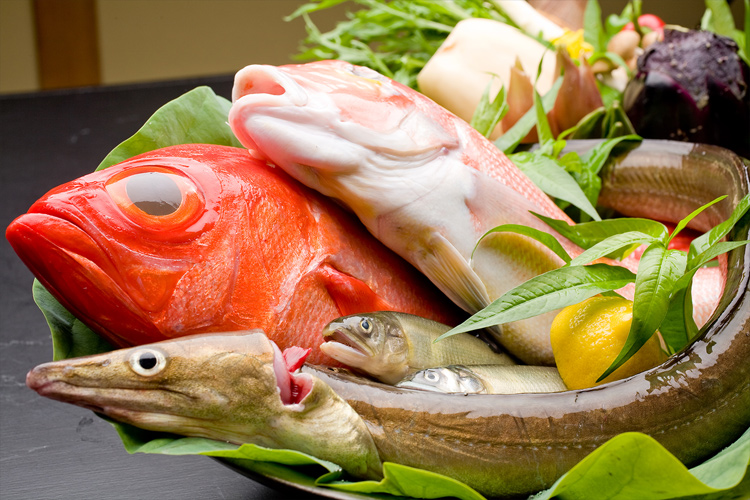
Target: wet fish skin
247 247
348 132
486 379
232 387
389 345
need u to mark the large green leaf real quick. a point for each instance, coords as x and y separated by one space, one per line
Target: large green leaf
198 116
547 292
634 465
658 271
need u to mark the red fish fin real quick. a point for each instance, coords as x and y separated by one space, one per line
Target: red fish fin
294 357
350 294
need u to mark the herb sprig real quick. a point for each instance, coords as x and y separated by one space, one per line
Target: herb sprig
395 37
662 298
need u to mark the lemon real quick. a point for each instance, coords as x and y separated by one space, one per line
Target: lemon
587 337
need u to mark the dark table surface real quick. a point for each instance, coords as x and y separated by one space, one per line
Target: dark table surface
51 450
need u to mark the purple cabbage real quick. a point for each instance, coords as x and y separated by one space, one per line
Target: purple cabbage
692 86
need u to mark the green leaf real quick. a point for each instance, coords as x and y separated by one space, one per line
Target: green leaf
707 240
658 271
542 123
597 157
684 222
489 113
551 178
678 327
634 465
199 116
545 238
403 481
611 245
722 21
513 137
547 292
592 24
70 337
588 234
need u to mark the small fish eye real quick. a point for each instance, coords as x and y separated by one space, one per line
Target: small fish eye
155 193
365 325
147 362
431 376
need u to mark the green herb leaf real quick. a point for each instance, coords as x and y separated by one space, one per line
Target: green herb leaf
545 238
597 157
551 178
722 21
547 292
489 113
684 222
513 137
707 240
678 327
612 245
592 23
658 271
588 234
542 123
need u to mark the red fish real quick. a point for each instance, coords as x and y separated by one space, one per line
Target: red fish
201 238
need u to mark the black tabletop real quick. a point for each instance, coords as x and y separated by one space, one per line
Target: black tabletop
51 450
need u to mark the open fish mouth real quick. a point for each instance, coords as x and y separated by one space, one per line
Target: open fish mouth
340 345
77 271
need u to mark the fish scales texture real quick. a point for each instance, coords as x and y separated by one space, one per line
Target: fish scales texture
247 247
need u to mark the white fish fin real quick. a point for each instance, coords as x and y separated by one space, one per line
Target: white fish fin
448 269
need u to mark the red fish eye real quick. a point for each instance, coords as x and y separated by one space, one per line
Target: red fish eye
155 196
156 193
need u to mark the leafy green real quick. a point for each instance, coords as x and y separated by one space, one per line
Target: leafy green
198 116
661 286
489 112
552 178
658 271
547 239
547 292
395 37
634 465
403 481
508 142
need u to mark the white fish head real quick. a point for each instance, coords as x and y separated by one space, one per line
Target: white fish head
327 120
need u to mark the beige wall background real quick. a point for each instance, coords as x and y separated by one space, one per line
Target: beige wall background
149 40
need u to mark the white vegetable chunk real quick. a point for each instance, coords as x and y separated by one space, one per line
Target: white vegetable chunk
458 73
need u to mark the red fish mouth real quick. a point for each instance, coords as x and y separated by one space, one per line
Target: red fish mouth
78 273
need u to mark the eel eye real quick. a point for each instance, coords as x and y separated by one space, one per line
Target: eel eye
365 325
148 362
156 193
156 197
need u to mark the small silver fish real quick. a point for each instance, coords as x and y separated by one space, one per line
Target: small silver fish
486 379
389 345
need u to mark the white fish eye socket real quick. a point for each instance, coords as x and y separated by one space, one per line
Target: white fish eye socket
431 376
147 362
365 325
